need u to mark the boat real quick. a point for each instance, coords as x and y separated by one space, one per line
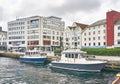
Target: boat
33 56
74 60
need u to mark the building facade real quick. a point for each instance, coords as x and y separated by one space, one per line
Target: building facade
73 35
3 40
103 33
43 33
17 34
94 36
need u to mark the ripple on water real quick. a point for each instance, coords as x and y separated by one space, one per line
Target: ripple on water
14 72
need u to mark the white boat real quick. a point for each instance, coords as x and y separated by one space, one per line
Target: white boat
33 57
74 60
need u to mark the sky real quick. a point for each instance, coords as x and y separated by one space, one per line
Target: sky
82 11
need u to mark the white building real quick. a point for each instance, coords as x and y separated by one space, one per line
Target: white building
73 35
94 35
101 34
117 34
35 32
3 40
17 34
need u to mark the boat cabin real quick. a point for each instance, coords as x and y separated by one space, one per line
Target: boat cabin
72 56
35 53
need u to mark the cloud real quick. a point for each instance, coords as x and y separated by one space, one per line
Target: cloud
86 11
1 13
73 6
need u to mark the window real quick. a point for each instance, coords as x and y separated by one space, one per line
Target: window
103 31
93 38
93 32
118 41
89 33
89 39
53 37
84 34
98 37
66 56
93 44
104 25
85 44
119 34
104 43
98 43
84 39
89 44
118 27
103 37
98 32
76 55
72 55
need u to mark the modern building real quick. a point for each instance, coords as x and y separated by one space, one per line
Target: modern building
39 32
17 39
3 40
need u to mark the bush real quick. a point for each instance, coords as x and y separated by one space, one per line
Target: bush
58 52
103 52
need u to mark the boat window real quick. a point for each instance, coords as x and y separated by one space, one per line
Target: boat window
69 56
34 52
72 55
76 55
66 56
43 54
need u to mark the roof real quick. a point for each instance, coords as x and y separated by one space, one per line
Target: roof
73 51
99 22
55 17
81 25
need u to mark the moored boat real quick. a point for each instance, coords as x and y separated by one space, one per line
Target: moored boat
33 57
74 60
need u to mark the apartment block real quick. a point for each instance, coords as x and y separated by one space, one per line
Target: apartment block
3 40
38 32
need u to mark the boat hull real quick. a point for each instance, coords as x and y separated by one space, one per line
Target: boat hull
33 60
79 67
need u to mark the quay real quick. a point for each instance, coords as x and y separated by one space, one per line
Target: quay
113 62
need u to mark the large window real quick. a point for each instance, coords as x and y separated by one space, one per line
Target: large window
118 41
118 27
34 23
119 34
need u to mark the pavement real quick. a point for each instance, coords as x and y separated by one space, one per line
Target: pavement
109 58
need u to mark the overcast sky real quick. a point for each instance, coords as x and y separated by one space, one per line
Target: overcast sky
83 11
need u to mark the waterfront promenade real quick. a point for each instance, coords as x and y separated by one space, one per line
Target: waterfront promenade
108 58
113 62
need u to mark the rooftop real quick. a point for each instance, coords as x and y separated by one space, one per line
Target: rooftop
81 25
99 22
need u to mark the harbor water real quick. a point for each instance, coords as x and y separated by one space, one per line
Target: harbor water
14 72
